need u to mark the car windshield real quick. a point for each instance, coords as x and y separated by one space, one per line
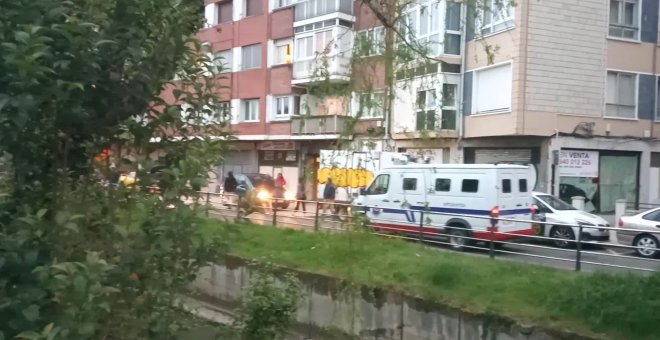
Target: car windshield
555 203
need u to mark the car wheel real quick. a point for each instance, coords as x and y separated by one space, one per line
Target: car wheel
647 246
458 238
562 236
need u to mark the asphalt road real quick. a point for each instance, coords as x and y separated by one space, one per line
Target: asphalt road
603 257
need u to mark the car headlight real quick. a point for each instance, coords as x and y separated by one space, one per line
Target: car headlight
585 223
289 196
263 195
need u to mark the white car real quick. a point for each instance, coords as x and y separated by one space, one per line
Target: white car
554 210
646 234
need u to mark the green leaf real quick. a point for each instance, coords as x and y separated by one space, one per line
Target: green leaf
80 284
71 226
21 36
87 328
30 335
41 213
31 313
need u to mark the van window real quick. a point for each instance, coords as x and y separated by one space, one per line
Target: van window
470 185
379 186
522 185
410 184
506 186
442 184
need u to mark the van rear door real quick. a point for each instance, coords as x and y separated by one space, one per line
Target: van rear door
514 200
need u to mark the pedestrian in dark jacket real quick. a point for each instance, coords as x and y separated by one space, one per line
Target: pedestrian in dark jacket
229 189
329 193
301 196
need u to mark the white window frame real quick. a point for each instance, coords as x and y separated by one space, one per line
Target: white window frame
617 104
428 106
413 16
303 45
224 63
375 39
244 65
475 88
500 19
251 104
277 101
277 46
636 26
303 41
451 32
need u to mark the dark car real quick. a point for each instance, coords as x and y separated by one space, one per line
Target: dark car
266 189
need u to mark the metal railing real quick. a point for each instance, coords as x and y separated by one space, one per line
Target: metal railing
318 124
337 217
315 69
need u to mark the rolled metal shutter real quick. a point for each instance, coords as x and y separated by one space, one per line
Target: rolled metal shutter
515 156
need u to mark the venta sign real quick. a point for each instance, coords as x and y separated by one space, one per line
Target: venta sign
578 163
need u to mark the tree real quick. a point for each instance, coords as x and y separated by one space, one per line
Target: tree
79 259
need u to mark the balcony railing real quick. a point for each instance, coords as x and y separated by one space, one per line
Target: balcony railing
320 67
315 8
323 124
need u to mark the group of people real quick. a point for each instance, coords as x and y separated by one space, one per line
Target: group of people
231 185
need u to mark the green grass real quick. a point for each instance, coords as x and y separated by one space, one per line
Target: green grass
620 306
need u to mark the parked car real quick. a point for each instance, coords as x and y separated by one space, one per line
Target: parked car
267 189
646 234
554 210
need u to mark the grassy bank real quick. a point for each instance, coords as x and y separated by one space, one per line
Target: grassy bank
623 307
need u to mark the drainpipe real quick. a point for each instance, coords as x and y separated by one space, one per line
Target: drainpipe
654 66
461 114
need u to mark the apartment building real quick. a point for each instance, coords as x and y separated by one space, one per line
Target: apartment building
571 87
270 51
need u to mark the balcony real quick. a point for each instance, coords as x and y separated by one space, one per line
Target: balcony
315 8
318 125
336 68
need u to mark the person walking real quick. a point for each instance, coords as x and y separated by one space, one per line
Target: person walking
229 189
280 180
301 196
329 194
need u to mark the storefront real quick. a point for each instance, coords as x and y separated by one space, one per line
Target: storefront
601 176
280 157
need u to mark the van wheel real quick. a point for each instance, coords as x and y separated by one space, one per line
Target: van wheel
562 236
458 238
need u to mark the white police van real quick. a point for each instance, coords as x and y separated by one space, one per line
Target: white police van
403 198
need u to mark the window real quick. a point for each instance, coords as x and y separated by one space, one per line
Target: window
224 109
370 105
491 90
442 184
223 61
652 216
251 56
283 3
285 106
506 186
304 48
323 41
448 107
657 100
522 185
283 52
250 110
426 105
252 7
624 19
225 11
371 42
494 16
470 185
423 24
410 184
379 186
452 43
621 95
